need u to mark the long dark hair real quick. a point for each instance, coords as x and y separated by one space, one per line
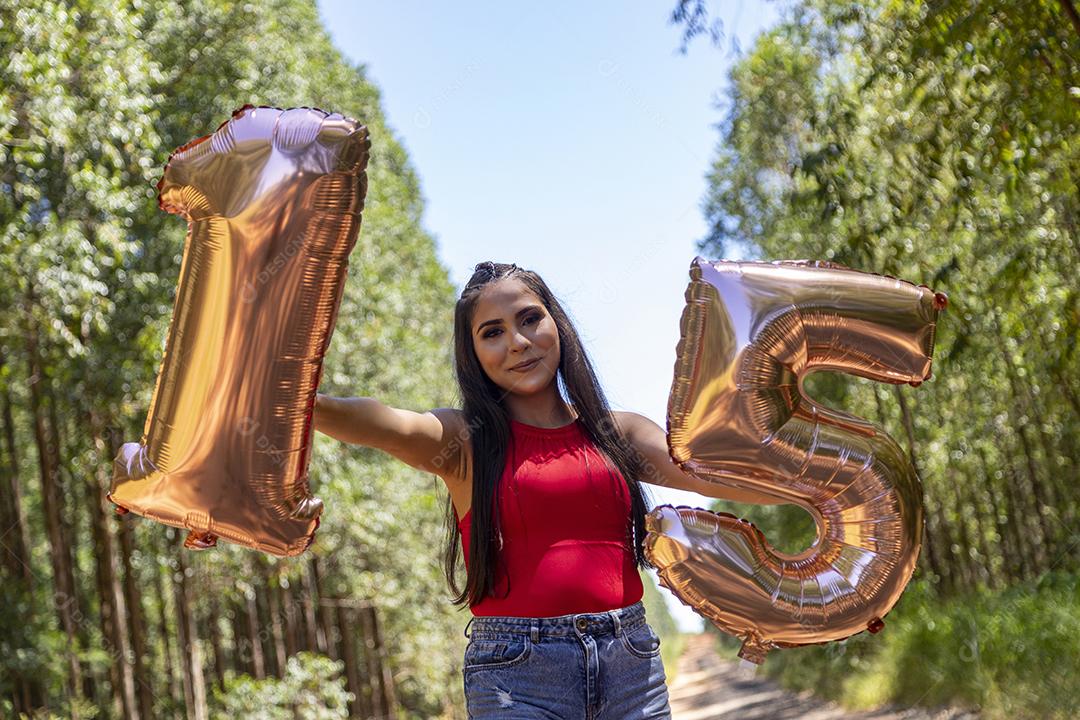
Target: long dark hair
487 418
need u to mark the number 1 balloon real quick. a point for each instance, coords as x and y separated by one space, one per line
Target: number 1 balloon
273 201
738 416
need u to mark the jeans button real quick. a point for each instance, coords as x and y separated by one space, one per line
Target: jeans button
582 623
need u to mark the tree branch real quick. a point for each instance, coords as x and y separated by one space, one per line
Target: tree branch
1074 17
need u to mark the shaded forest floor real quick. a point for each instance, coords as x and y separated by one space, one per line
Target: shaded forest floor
707 686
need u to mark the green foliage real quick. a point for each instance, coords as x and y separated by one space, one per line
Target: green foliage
1010 654
893 138
25 647
93 98
81 709
312 689
937 142
662 621
789 528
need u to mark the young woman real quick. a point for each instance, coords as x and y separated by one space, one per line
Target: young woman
545 497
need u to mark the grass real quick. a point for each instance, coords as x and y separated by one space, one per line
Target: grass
1010 654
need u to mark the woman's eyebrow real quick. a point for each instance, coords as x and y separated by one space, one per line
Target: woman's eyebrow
496 321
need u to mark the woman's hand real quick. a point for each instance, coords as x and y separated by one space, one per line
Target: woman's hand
649 441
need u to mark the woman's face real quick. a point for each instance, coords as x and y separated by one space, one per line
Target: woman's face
511 326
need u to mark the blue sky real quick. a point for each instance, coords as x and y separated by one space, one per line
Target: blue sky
572 139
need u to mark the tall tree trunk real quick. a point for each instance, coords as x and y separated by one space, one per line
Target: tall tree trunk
999 560
357 707
258 659
1008 564
136 616
190 645
1065 384
371 661
1057 474
108 617
986 516
112 605
316 640
69 512
214 632
1035 485
65 596
170 660
277 632
938 542
27 692
183 634
1034 490
241 642
1072 450
1022 512
966 562
1071 13
326 619
291 610
1006 531
94 682
16 535
387 692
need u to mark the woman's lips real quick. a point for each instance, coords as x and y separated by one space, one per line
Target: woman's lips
526 367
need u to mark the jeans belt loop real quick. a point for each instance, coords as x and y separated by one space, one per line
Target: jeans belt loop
534 631
615 621
467 626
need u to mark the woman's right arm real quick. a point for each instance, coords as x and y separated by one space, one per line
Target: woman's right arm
432 441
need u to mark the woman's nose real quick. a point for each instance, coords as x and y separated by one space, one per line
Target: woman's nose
519 341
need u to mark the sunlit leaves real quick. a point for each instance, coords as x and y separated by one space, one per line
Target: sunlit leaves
935 142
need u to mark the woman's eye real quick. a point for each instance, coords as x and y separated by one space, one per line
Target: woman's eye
531 320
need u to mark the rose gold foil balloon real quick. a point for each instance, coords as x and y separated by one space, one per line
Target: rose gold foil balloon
273 201
737 415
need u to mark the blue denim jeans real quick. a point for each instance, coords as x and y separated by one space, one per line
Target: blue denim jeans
587 666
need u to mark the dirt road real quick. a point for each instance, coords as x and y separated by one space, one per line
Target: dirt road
709 687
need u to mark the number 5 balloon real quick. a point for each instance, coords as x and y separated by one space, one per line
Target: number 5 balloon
737 415
273 201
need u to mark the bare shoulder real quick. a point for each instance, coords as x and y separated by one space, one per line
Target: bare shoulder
629 423
641 431
451 418
453 460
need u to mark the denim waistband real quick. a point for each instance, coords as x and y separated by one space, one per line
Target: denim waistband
595 623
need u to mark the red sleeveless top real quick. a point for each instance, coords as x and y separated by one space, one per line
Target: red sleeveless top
564 517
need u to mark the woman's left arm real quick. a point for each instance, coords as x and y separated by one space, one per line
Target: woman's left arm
650 442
